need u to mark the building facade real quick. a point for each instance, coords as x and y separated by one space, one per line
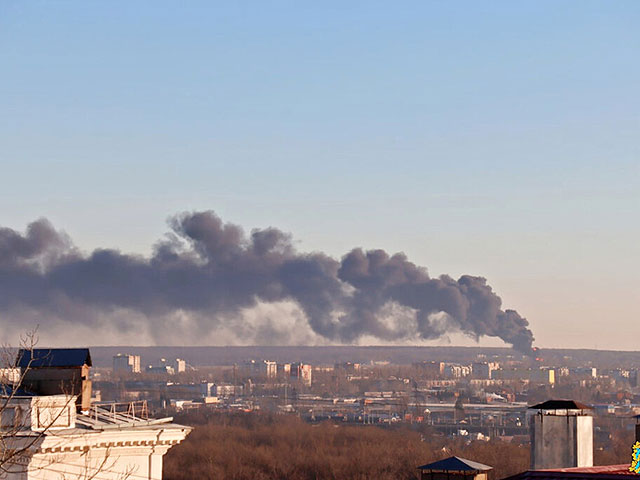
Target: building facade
126 363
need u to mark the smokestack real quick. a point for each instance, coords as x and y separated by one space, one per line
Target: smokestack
561 435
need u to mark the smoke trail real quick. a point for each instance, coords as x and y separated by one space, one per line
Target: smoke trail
209 271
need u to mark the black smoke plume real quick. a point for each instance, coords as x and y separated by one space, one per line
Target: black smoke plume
212 270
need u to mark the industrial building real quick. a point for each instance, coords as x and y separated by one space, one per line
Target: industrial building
164 367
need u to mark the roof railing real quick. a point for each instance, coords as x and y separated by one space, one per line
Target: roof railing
119 412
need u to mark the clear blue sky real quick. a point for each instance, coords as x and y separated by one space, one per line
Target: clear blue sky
493 138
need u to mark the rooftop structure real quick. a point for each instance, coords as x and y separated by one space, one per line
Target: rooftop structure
454 468
53 357
55 440
561 435
55 371
561 405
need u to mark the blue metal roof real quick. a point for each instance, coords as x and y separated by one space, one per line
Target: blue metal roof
456 464
53 357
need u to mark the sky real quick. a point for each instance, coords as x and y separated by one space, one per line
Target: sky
499 139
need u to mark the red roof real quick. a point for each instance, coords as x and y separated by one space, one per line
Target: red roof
619 469
604 472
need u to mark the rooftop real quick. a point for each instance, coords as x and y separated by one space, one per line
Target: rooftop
561 405
109 415
456 464
605 472
53 357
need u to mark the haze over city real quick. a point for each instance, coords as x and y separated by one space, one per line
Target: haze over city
481 140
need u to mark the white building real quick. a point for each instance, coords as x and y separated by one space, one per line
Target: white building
47 433
262 368
102 444
180 365
454 370
126 363
271 369
301 372
226 390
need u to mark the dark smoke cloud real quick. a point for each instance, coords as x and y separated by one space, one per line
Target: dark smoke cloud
212 270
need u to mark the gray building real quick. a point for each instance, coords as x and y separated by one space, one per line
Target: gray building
561 435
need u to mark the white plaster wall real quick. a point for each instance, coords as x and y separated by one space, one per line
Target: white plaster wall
585 441
130 453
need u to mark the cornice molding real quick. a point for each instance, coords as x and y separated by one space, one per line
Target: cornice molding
108 446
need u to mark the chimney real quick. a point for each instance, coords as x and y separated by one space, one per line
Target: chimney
561 435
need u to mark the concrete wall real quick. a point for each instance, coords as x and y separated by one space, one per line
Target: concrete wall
561 441
585 441
38 414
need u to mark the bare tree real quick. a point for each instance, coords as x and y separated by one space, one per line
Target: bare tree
23 430
13 414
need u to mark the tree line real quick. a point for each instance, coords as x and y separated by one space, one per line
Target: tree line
269 446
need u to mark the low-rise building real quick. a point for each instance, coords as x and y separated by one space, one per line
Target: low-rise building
301 372
180 365
55 439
